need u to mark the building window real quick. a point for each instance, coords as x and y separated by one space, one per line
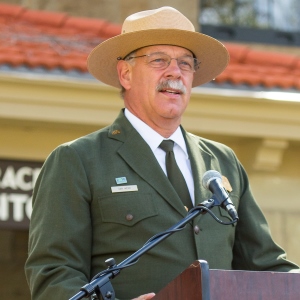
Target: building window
263 14
257 21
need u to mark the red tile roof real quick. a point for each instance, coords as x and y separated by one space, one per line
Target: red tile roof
261 68
49 39
56 40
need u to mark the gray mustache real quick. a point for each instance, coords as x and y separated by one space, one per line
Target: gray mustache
172 84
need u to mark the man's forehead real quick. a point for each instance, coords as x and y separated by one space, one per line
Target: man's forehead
165 48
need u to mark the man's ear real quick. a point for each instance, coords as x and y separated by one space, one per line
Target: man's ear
124 73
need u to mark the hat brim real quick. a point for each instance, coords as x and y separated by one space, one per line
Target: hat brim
212 54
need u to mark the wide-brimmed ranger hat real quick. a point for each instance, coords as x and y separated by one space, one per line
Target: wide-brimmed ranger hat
162 26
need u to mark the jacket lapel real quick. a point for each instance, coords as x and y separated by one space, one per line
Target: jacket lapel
201 161
143 161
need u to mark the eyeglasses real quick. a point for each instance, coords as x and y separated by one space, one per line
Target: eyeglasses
161 61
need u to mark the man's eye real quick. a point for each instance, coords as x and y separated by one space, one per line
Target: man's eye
158 60
185 63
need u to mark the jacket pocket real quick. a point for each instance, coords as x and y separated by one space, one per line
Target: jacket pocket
127 208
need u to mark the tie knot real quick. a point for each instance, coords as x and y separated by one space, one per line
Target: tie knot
167 145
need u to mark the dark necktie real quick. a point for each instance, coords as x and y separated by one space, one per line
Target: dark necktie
174 174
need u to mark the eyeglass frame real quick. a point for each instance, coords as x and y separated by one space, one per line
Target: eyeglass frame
195 65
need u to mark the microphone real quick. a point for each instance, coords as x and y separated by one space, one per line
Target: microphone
212 180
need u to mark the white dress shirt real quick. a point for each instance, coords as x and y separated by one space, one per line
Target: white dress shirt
153 139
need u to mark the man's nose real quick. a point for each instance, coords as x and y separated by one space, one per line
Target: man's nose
173 68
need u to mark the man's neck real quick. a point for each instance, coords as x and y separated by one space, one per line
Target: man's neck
164 127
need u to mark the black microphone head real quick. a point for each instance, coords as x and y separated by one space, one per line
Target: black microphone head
209 176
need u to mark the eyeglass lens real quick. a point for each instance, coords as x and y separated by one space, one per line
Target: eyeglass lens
162 60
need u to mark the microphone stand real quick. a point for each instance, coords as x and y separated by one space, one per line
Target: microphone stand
101 285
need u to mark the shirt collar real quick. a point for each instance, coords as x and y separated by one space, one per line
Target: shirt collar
151 137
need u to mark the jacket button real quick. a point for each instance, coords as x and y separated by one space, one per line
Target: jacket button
196 229
129 217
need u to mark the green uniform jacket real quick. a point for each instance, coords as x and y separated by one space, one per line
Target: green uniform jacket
77 222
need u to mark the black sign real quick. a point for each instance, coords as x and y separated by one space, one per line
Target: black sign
17 179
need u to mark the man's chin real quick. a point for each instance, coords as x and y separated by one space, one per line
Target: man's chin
172 114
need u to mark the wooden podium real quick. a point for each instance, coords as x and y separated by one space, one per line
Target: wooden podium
197 282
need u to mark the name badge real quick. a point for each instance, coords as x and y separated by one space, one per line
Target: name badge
124 188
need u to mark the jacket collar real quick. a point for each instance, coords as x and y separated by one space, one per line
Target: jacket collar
144 163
